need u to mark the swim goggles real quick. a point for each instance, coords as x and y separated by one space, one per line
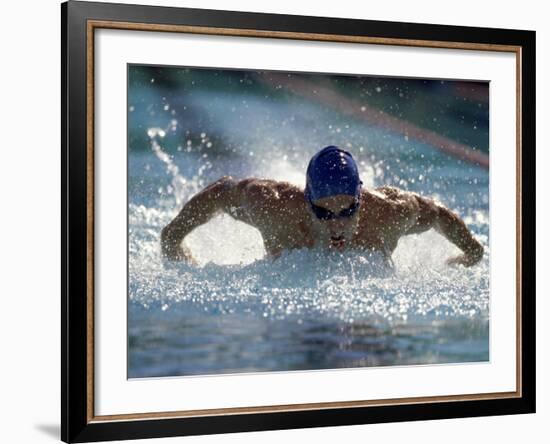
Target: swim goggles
324 214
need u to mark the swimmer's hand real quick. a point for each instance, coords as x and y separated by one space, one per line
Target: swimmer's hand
187 256
184 255
179 253
467 260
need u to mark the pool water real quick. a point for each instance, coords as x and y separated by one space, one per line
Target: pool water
237 311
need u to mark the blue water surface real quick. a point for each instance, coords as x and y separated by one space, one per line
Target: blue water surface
240 312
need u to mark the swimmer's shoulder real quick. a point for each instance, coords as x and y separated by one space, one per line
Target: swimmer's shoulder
258 188
390 193
389 198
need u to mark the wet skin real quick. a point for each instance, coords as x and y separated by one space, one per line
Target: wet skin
286 221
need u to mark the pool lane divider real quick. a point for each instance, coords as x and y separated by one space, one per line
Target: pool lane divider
362 112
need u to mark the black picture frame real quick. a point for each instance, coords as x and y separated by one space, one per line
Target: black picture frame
77 423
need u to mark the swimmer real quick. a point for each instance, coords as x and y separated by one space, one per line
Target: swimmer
333 212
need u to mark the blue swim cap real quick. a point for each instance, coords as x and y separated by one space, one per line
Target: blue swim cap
330 172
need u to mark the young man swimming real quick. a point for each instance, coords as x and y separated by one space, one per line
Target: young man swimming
333 212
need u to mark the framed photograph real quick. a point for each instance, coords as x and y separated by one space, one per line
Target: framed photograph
275 221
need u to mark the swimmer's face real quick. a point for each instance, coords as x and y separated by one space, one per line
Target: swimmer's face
339 225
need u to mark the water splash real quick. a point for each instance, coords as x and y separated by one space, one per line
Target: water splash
235 277
180 187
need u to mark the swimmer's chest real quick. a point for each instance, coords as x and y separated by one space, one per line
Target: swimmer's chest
374 234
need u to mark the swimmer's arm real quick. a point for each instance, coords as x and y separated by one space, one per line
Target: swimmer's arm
199 210
447 223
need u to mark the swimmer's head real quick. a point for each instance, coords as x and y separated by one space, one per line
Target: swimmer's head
332 172
333 190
